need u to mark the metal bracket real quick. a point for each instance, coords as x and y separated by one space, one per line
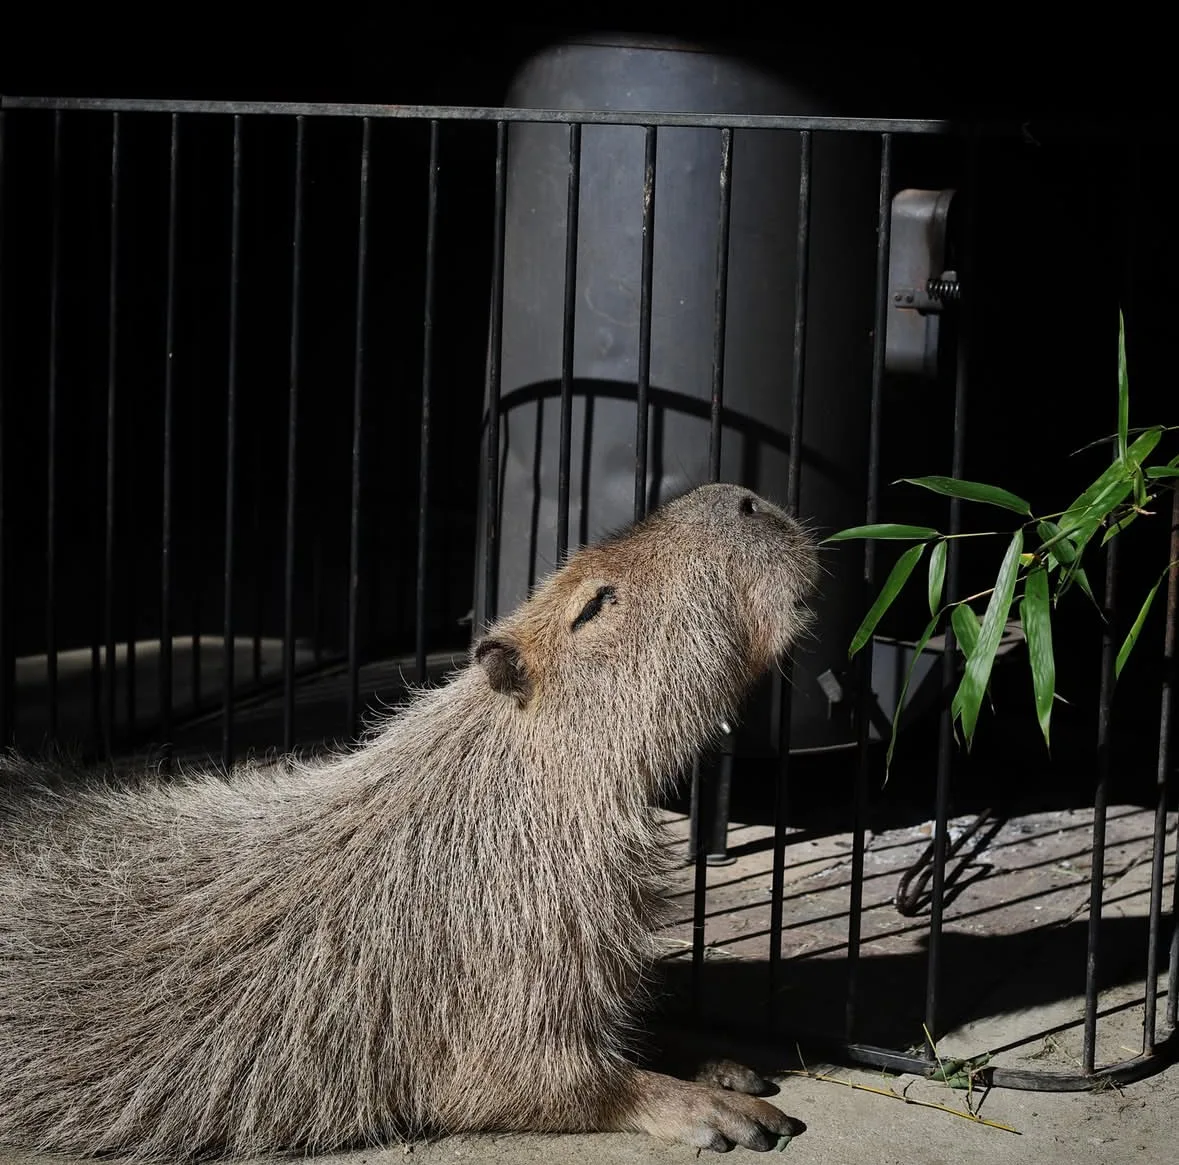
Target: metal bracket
920 287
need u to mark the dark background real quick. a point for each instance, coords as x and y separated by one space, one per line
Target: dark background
889 63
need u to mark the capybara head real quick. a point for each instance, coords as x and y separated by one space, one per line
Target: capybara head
659 630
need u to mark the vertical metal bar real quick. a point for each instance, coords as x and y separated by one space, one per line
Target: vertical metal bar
316 587
195 643
427 373
231 445
793 491
949 655
720 304
801 289
650 143
704 788
717 850
5 685
700 830
196 566
131 606
494 370
288 634
568 332
108 671
1100 802
260 559
1154 918
1165 732
863 675
1160 814
357 395
96 667
51 439
166 489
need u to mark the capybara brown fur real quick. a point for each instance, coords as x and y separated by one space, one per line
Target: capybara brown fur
446 927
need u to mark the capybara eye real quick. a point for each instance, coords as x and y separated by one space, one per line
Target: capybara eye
747 506
591 609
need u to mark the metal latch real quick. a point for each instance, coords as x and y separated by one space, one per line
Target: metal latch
920 286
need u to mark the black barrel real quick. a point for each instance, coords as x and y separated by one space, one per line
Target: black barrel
758 318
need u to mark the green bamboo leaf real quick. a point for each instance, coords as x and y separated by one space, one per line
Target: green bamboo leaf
1057 540
1143 446
978 666
1074 574
884 531
1123 389
966 628
1083 582
896 716
1132 634
937 576
966 631
1119 526
960 1073
1101 505
1113 436
1163 471
972 491
1109 490
1037 628
897 578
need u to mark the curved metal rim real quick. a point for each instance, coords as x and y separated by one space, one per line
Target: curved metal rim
1164 1053
1161 1056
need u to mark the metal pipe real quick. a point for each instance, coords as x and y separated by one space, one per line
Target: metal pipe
501 115
357 414
427 373
51 695
1100 802
108 671
1162 782
494 371
5 650
720 305
643 387
949 658
863 673
231 448
288 634
568 333
165 694
793 491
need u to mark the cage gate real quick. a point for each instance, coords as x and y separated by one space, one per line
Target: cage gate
206 547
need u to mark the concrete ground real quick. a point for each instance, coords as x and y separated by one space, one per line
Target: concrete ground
1139 1123
849 1127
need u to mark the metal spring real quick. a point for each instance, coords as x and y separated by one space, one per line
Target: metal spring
943 290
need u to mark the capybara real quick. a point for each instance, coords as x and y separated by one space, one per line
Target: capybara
446 927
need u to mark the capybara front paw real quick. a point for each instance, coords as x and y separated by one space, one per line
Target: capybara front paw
706 1116
721 1119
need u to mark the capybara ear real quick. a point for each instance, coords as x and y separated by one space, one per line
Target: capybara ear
506 670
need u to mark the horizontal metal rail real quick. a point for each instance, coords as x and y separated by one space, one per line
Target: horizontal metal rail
488 113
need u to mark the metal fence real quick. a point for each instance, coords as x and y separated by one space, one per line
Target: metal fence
90 474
